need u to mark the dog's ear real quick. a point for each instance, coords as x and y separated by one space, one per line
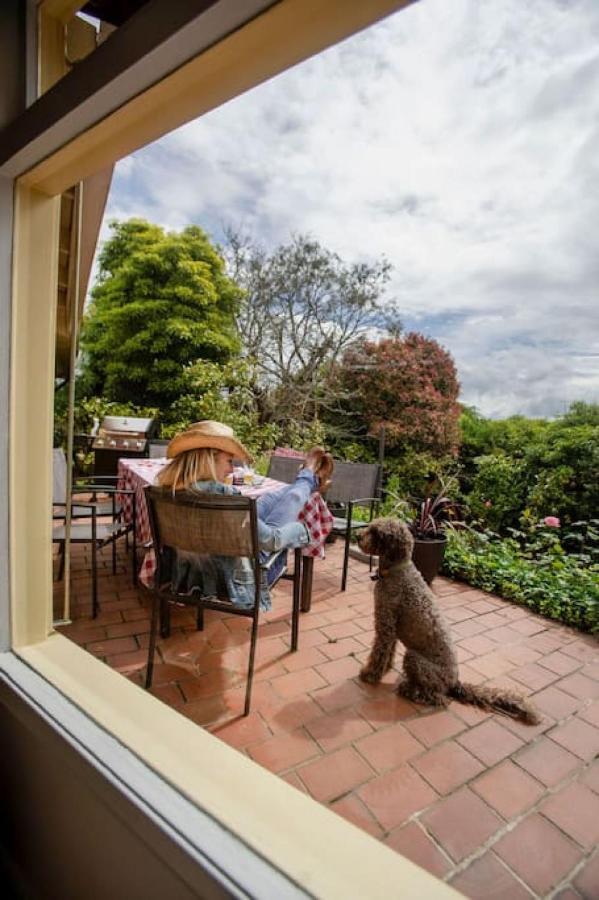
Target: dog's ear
367 539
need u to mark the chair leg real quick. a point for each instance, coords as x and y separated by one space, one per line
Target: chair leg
94 579
134 542
251 661
200 618
62 554
345 559
152 644
134 564
297 581
113 556
165 619
306 583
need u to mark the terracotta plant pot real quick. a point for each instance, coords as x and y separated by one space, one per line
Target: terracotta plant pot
428 557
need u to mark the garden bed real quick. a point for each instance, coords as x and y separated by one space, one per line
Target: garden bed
560 587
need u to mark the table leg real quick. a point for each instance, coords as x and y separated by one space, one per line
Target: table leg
307 573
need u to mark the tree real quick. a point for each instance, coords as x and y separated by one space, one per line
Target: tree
581 413
303 307
408 385
162 301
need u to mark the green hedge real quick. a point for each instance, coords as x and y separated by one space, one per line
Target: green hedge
558 586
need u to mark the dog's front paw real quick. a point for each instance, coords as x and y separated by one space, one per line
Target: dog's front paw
369 676
408 691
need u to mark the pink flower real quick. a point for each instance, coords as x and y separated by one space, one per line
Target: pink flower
488 504
551 521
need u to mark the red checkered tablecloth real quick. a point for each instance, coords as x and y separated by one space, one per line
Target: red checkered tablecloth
136 474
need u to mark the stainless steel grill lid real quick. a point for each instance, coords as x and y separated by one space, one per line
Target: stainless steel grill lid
125 423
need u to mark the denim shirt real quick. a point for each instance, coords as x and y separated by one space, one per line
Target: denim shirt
234 575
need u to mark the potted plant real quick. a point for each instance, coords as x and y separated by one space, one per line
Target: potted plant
432 516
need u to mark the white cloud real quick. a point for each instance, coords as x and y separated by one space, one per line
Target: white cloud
458 139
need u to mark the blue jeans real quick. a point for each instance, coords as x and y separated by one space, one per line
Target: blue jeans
278 511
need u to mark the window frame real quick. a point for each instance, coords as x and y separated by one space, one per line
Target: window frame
272 821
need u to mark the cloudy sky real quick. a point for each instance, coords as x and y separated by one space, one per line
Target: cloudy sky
461 141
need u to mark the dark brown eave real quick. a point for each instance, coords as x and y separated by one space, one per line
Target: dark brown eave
155 41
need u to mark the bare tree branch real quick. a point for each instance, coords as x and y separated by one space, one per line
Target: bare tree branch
303 308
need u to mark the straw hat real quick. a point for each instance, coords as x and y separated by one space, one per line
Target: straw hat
207 434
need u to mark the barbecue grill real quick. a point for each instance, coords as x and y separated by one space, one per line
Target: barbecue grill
121 436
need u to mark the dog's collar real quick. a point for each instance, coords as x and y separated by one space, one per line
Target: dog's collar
389 570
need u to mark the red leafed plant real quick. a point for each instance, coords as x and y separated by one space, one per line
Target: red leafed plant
434 514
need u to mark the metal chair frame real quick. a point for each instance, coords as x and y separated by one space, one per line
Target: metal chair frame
193 541
348 481
283 468
87 484
98 534
155 445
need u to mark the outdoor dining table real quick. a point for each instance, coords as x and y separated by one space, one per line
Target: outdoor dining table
136 474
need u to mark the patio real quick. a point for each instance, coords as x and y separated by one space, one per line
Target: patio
496 808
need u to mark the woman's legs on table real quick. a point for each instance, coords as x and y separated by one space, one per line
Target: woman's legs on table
278 525
284 505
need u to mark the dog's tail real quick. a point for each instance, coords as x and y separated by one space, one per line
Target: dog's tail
509 703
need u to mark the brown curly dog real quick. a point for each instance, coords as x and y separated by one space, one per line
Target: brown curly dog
405 608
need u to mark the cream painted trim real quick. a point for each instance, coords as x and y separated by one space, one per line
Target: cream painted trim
35 277
284 35
318 849
52 65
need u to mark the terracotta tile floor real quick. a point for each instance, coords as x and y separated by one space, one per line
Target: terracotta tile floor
495 808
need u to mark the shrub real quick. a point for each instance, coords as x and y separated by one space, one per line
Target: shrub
417 474
538 574
553 465
498 491
565 469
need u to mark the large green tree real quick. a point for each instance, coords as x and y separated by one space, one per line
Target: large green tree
161 303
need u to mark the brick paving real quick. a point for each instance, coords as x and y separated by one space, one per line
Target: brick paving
495 808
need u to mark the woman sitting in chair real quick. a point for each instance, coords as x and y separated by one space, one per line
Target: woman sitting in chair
200 460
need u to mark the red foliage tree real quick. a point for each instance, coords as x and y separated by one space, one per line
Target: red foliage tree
407 384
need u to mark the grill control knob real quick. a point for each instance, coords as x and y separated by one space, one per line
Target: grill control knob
125 443
113 443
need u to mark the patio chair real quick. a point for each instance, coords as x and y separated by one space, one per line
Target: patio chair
353 484
283 468
94 484
157 448
96 533
211 526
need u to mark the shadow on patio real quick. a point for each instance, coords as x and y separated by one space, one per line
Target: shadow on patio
497 808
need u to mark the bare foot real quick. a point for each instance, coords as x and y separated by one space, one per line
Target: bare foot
325 471
314 458
321 463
